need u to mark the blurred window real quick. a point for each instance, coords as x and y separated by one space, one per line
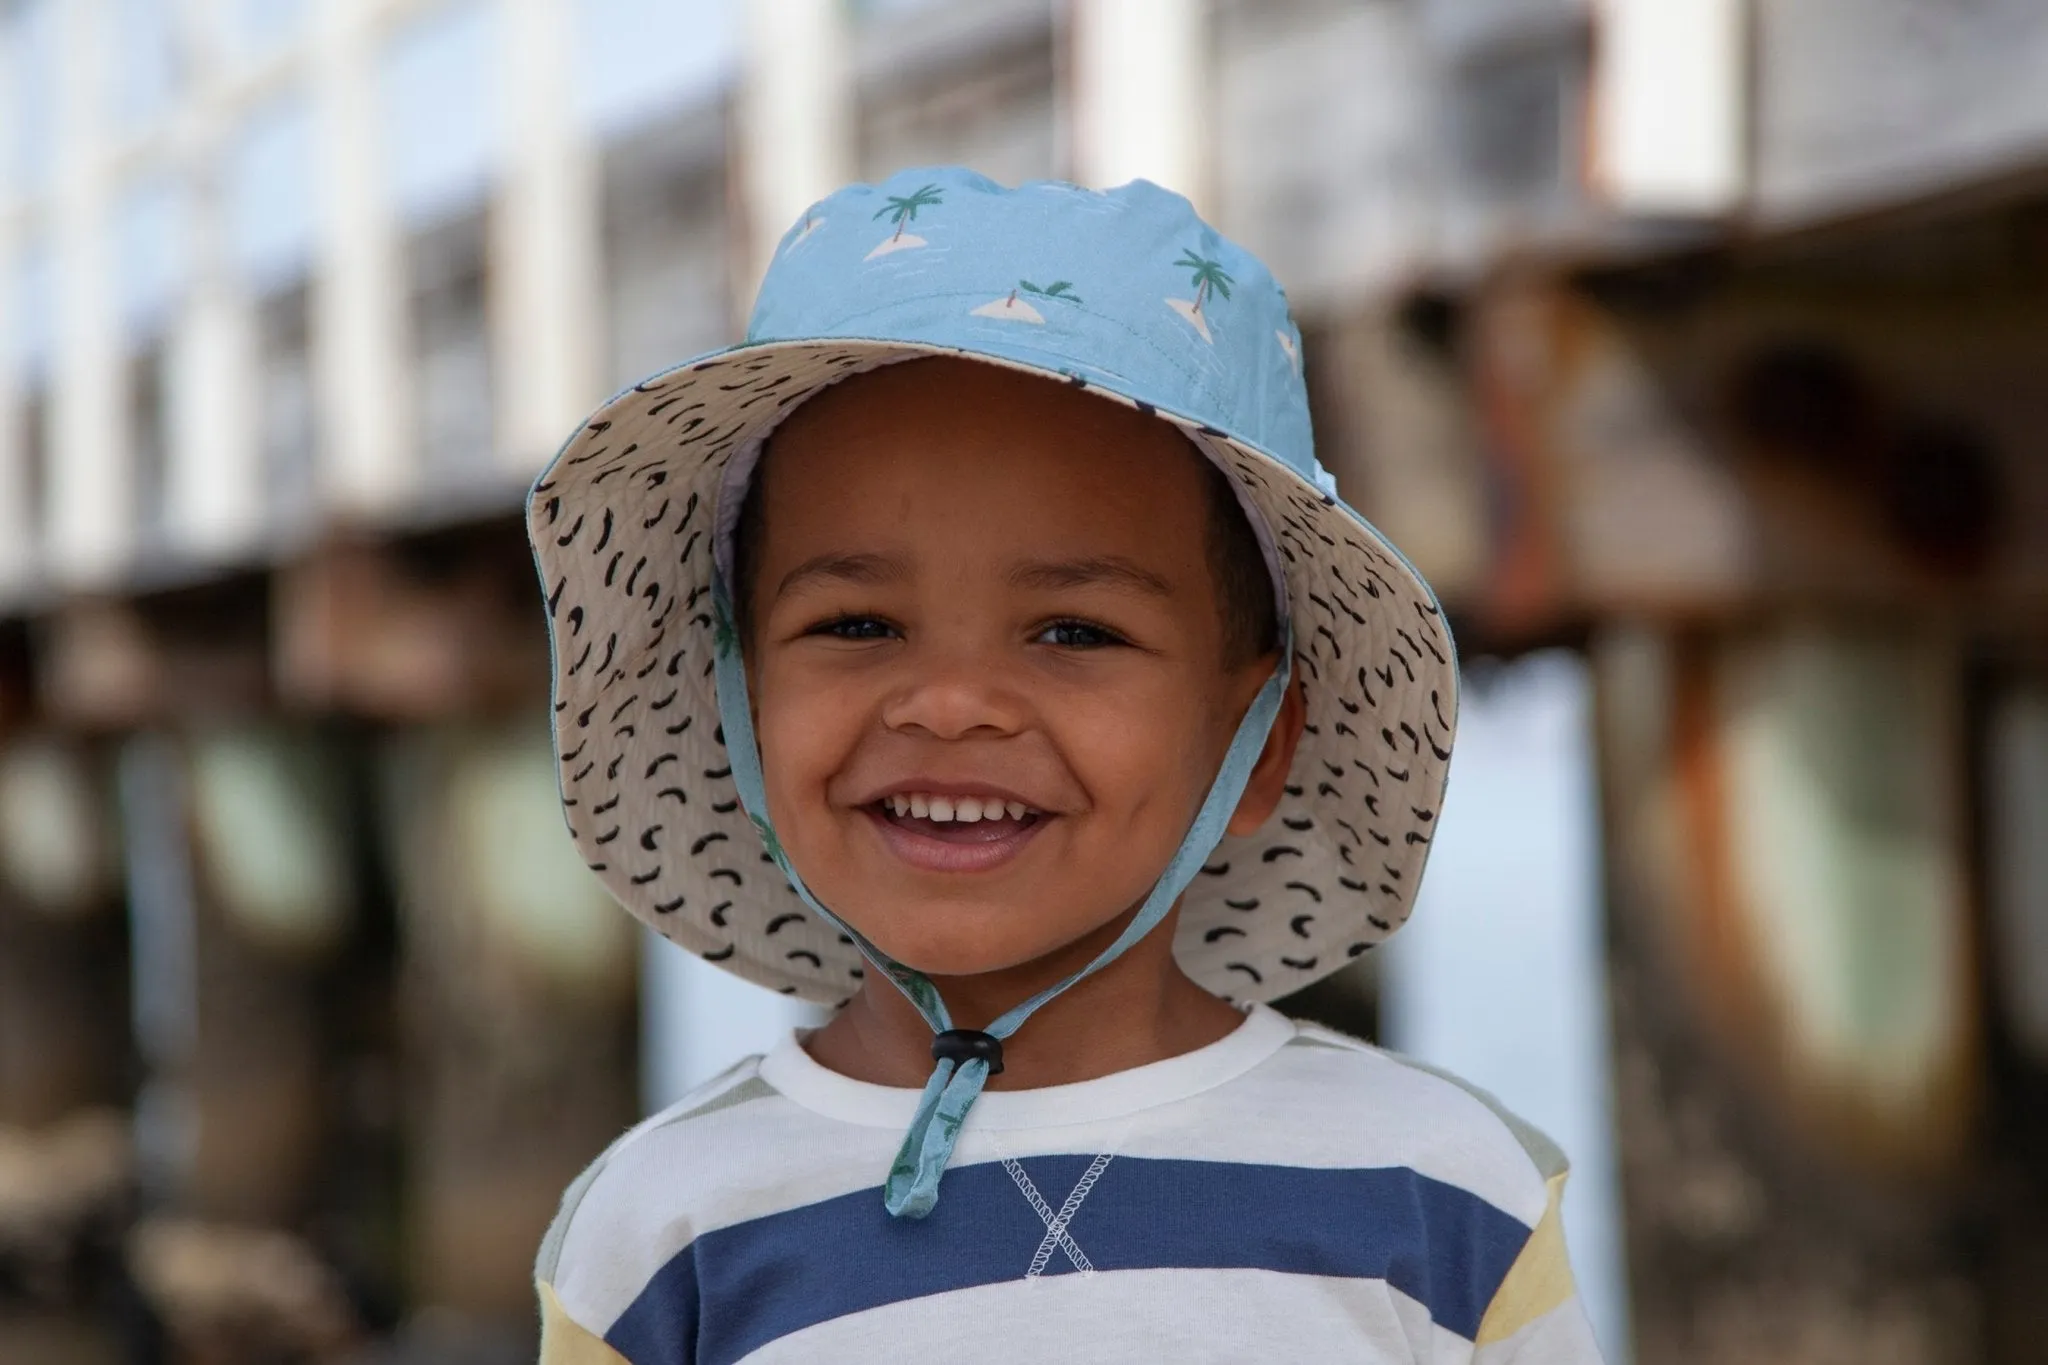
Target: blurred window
28 95
272 223
151 253
1461 30
992 103
441 133
1324 151
637 59
1507 128
271 200
440 122
151 245
889 9
149 441
32 330
146 69
30 345
286 432
666 264
32 418
448 290
257 28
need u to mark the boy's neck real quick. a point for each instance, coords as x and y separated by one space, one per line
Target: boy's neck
1141 1008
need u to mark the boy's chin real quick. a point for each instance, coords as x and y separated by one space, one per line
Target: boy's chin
949 960
967 955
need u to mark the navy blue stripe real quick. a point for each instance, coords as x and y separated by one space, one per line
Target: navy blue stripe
736 1289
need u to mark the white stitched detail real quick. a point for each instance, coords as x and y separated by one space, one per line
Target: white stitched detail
1047 1216
1056 1231
1056 1234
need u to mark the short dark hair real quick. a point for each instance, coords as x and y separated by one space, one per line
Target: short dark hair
1244 587
1244 584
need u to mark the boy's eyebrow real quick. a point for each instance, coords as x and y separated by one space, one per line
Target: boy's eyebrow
847 568
1113 570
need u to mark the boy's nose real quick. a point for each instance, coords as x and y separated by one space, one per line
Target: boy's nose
956 699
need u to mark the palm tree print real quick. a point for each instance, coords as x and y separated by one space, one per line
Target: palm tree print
1014 309
1208 277
1058 289
903 208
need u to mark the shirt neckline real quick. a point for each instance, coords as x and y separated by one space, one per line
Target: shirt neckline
793 1072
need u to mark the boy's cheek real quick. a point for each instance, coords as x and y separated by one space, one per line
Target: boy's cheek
796 769
805 722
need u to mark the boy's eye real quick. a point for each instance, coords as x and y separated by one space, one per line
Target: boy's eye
854 628
1078 635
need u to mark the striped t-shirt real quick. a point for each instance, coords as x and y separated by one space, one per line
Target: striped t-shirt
1286 1193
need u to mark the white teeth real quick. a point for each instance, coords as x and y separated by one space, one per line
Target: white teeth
965 810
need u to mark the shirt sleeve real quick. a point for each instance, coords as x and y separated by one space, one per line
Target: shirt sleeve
1536 1317
565 1341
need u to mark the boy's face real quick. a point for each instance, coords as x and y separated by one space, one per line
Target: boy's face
979 589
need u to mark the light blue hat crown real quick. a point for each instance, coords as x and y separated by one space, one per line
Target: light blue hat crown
1127 288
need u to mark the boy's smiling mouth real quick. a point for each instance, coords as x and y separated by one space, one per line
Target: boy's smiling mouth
954 832
963 810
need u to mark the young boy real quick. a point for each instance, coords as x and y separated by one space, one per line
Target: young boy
990 659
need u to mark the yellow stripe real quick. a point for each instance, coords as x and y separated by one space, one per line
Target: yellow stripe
564 1341
1538 1281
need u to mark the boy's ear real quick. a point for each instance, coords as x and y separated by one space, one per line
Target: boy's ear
1262 791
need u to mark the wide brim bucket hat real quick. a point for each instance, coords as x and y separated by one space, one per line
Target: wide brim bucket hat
1125 293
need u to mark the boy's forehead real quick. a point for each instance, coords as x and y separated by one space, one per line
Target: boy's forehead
990 463
942 395
985 445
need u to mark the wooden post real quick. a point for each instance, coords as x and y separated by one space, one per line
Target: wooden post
63 958
518 991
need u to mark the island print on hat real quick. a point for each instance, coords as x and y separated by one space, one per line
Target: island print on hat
1014 309
903 208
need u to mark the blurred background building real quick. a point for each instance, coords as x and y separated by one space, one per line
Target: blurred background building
1697 350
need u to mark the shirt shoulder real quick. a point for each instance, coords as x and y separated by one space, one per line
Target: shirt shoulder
1392 1110
600 1182
734 1150
697 1164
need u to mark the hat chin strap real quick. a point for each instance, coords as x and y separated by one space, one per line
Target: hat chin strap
912 1189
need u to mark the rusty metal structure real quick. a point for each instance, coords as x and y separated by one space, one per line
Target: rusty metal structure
1703 339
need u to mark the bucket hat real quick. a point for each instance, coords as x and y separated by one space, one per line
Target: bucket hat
1128 294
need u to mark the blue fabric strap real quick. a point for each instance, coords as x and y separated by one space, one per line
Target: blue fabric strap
912 1188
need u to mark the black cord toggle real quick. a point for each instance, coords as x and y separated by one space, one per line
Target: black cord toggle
963 1045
